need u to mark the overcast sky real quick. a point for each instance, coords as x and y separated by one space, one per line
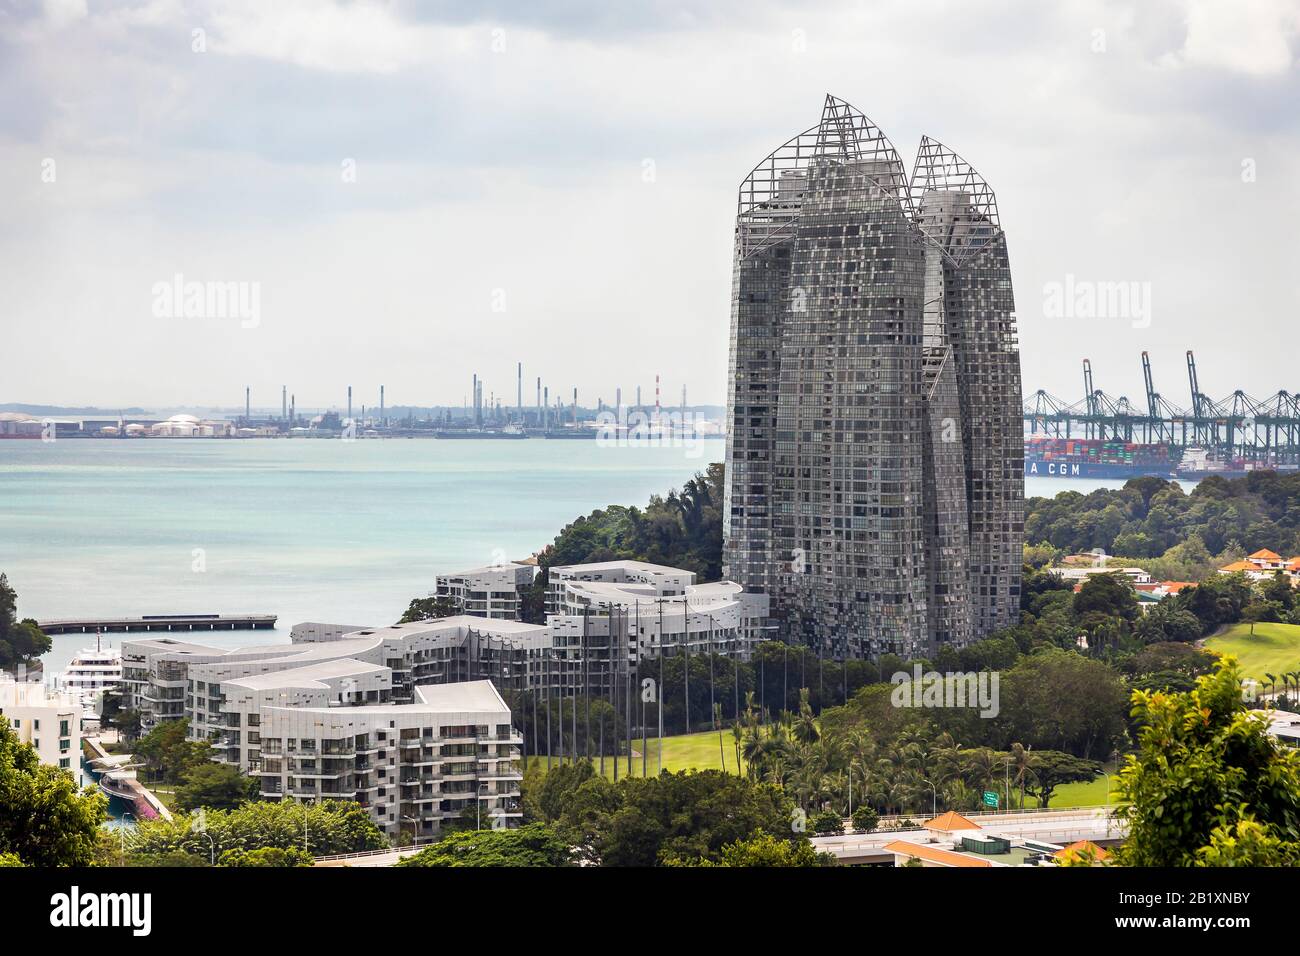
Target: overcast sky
419 191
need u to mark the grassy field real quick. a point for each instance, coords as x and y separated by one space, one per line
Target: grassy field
684 752
700 752
1272 649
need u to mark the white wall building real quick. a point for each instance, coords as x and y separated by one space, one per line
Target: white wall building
415 766
652 609
49 721
492 592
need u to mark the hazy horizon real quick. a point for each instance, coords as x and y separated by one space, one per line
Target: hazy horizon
415 193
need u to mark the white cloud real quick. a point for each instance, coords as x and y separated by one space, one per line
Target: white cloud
338 37
1246 36
61 13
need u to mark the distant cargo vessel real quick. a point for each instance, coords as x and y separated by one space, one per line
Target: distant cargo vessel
1112 458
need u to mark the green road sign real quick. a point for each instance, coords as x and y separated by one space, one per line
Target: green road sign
990 799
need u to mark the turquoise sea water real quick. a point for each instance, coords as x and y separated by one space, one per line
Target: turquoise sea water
346 532
306 529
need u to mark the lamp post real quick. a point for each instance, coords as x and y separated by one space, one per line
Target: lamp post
121 831
415 832
934 799
212 849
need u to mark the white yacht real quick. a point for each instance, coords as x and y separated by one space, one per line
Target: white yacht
93 671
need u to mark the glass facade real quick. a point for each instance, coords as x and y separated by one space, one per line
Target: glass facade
874 455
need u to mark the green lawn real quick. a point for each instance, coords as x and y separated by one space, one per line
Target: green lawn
685 752
1272 649
700 752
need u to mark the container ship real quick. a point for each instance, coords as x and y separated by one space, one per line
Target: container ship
1115 458
1098 458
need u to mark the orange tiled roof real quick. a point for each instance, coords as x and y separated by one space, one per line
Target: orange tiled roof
1263 554
950 822
1082 847
1239 566
1293 564
1173 587
933 854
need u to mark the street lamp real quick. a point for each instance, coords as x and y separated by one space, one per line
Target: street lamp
934 799
212 849
415 829
121 832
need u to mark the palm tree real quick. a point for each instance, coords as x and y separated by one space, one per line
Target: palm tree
1023 762
805 726
1272 681
736 736
717 722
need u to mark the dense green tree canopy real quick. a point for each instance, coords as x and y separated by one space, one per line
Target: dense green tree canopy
534 844
645 821
1149 516
21 642
44 819
332 826
1208 786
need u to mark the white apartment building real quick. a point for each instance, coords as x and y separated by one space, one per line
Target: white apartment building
49 721
651 609
167 679
414 766
492 592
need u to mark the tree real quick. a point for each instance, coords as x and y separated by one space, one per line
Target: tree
168 752
1053 768
214 786
865 819
21 642
643 821
44 819
763 850
534 845
827 823
266 856
427 608
328 827
1110 595
1060 700
1208 786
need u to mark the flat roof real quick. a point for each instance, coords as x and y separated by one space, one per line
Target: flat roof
463 697
312 675
622 566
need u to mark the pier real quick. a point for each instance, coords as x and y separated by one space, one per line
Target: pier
161 622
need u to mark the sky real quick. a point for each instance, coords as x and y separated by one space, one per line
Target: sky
406 194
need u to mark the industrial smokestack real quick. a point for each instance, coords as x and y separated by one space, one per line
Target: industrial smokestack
284 402
381 406
638 396
349 403
546 408
575 408
247 405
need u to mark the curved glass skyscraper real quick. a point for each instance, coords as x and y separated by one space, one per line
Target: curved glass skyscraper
875 483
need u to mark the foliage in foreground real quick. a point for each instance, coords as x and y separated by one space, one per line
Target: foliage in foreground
44 819
535 844
764 850
1208 786
333 826
649 821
